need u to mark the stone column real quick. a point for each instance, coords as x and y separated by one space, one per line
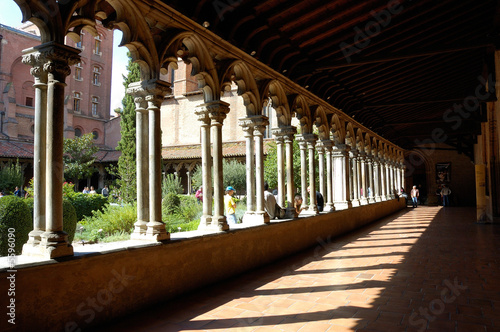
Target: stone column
206 166
303 168
321 167
279 139
157 90
247 126
329 176
218 111
311 143
390 191
377 182
371 183
362 175
403 184
259 128
56 59
355 178
383 181
289 134
341 191
36 60
142 167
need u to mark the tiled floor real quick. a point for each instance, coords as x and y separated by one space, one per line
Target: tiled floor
429 268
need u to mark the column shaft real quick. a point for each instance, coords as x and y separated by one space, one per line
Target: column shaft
281 171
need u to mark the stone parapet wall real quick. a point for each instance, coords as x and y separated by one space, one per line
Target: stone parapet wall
82 291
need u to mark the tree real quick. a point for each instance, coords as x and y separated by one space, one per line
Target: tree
234 175
11 176
126 170
79 157
271 165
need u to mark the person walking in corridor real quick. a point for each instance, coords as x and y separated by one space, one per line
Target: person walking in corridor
414 196
445 194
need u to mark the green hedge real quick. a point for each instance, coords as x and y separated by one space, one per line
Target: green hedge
84 204
69 216
14 215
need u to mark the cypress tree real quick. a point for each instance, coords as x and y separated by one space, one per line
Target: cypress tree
126 171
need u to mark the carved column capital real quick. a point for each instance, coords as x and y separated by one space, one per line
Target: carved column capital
217 111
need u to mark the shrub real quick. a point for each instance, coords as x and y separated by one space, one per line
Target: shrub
171 184
14 213
69 220
171 203
69 216
84 204
11 176
112 219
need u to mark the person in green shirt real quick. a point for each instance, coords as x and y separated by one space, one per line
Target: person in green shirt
230 205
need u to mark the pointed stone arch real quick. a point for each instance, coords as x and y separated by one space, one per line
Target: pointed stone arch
275 91
303 113
368 144
360 141
337 127
350 136
239 73
321 122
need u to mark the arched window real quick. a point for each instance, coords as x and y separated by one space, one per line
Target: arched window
78 132
97 74
95 134
97 45
77 100
95 105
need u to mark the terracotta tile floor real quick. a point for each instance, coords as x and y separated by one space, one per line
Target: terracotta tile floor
428 268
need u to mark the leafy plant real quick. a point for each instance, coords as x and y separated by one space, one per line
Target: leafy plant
11 176
79 157
85 204
171 184
234 175
111 219
16 217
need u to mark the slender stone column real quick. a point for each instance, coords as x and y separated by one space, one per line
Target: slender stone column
281 170
329 176
218 111
248 128
142 168
206 167
377 182
383 181
363 177
371 184
311 143
303 168
355 178
321 167
403 184
55 59
259 128
388 180
157 90
342 196
36 60
289 134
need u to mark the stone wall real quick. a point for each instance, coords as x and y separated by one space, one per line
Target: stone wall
78 292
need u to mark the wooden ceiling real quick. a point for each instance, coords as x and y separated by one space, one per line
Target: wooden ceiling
401 77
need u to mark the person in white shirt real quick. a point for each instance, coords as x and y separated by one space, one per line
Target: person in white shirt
445 194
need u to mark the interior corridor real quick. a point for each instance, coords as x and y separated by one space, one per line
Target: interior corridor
429 268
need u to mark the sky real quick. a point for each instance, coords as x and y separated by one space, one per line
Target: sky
10 15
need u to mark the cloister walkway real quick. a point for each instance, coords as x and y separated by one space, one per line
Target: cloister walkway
429 268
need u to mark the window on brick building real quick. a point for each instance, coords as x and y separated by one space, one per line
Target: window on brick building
95 134
29 101
97 45
78 71
78 132
95 105
79 44
77 100
97 74
172 77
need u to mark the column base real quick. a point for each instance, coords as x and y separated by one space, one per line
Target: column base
363 201
378 199
219 224
356 202
140 228
256 218
310 211
52 245
205 223
343 205
371 200
34 237
156 232
384 198
329 207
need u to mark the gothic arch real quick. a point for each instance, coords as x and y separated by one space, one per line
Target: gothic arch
337 128
350 137
303 113
368 144
274 90
360 142
238 72
321 122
